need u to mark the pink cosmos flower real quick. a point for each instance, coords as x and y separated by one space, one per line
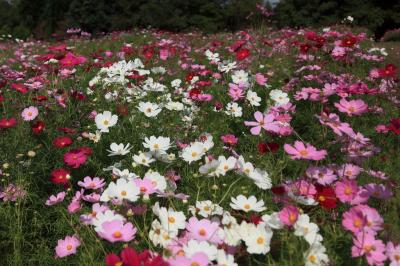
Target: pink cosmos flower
75 158
30 113
323 175
260 79
266 122
74 206
346 190
92 183
365 244
70 60
303 188
145 185
67 246
115 231
96 208
229 139
354 220
353 107
393 253
55 199
203 230
235 92
289 215
301 151
198 259
348 170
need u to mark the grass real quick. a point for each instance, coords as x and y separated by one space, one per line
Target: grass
29 230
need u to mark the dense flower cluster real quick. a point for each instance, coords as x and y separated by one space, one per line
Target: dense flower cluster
153 142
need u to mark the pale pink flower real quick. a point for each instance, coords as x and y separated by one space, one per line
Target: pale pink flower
67 246
301 151
30 113
260 79
203 230
352 107
115 231
266 122
55 199
92 183
393 254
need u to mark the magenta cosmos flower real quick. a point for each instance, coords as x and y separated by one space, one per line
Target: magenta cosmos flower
117 231
289 215
353 107
67 246
229 139
346 190
301 151
75 158
266 122
365 244
30 113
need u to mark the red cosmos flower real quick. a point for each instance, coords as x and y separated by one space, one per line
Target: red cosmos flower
255 219
394 126
70 60
264 147
190 76
61 142
304 47
194 93
86 150
388 72
7 123
19 87
242 54
348 41
75 158
326 197
60 176
129 257
38 127
278 190
39 98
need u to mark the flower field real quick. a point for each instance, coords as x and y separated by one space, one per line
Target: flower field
152 148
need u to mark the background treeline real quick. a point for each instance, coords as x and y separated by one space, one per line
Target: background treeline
40 18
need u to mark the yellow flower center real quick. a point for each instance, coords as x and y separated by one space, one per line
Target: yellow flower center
260 240
123 193
117 234
69 247
194 154
312 258
105 122
303 153
171 219
246 206
202 232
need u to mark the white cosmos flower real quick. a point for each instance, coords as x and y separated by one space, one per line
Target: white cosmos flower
149 109
193 247
226 165
272 220
106 216
240 77
213 57
95 137
121 190
253 98
171 220
125 174
193 152
105 120
176 106
279 97
233 109
176 83
157 145
316 256
159 236
143 158
303 227
258 239
247 204
224 259
119 149
209 168
261 178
